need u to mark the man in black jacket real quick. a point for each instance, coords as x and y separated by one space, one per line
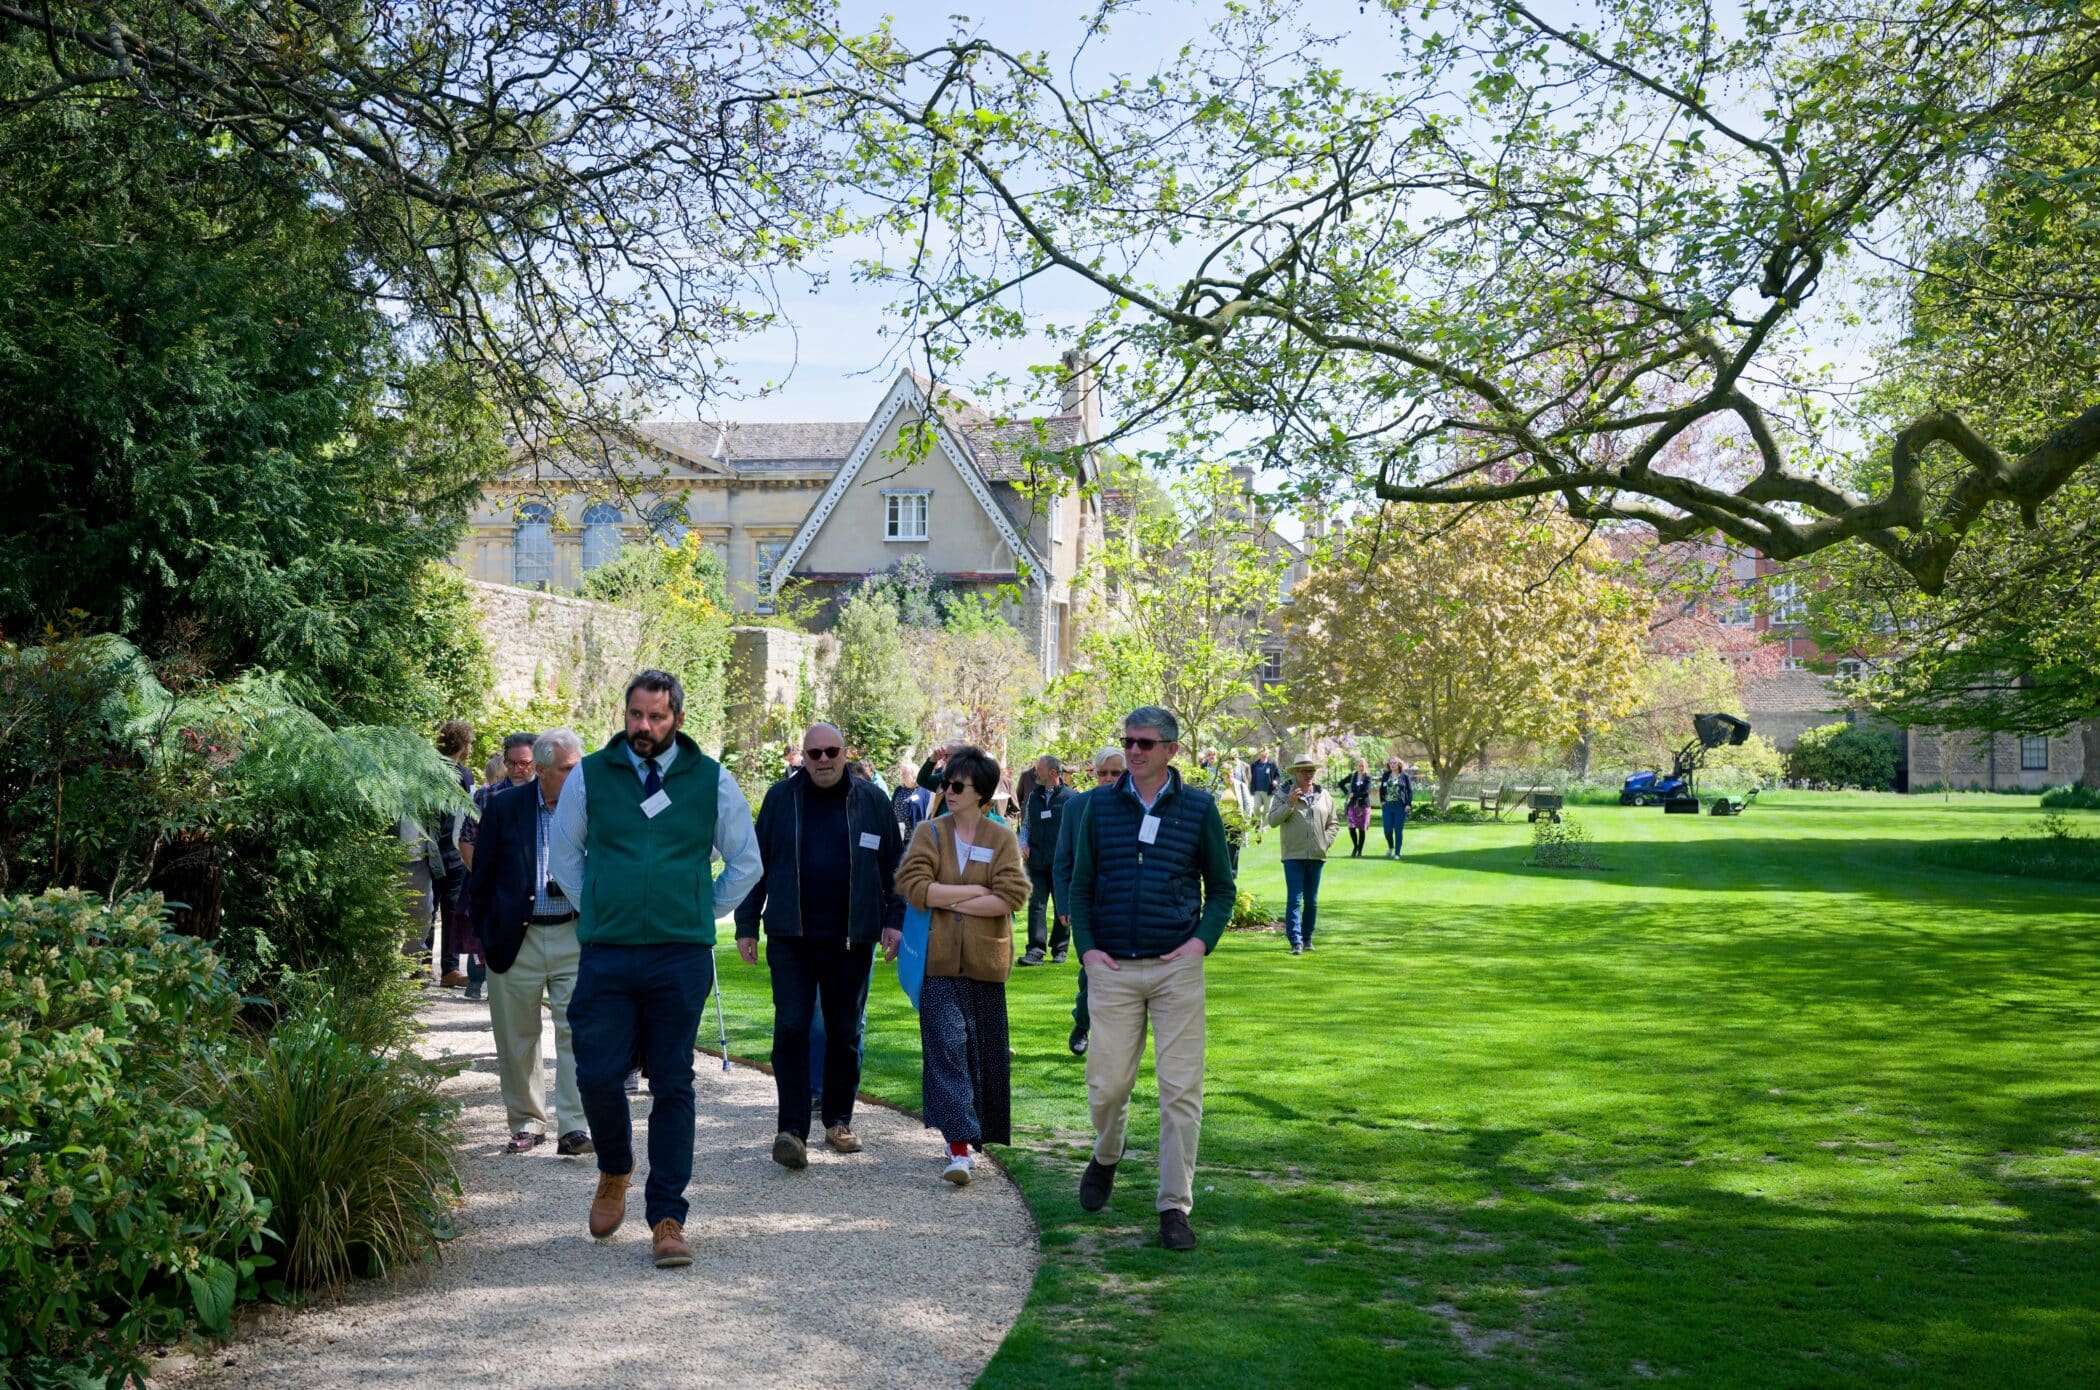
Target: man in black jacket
1040 816
528 935
827 895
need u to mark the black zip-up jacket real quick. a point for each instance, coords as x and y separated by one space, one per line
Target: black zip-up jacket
872 904
1397 788
1043 814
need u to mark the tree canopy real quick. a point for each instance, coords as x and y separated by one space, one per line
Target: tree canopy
1529 260
1500 624
572 204
212 448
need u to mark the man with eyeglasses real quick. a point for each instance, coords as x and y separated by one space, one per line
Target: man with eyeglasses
1107 767
827 895
1152 894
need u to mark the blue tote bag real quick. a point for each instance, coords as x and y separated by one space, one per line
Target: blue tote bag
911 955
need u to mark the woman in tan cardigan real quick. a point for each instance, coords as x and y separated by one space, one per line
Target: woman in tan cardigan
965 870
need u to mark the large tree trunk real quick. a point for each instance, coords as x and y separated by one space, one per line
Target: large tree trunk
1446 770
2089 732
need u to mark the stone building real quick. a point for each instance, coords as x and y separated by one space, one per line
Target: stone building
744 488
993 505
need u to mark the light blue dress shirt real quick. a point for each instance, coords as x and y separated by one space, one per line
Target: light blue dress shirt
735 841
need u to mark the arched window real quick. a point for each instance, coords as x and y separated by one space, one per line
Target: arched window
667 519
532 552
601 535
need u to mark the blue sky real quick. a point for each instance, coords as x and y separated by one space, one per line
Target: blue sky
828 359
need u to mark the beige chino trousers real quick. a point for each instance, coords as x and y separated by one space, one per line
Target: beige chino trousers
545 967
1167 994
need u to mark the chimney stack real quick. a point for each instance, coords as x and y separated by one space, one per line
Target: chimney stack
1082 392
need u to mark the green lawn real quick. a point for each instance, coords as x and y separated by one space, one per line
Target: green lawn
1772 1101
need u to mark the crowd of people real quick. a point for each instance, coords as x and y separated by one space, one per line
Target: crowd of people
589 884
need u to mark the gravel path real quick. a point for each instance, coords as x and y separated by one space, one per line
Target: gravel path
858 1271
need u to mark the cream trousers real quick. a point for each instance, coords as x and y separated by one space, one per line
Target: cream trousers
545 968
1169 995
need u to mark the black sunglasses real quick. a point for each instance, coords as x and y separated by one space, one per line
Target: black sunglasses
831 752
1143 745
1106 776
959 786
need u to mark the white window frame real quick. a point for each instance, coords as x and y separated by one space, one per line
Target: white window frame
1271 669
896 513
532 560
1788 607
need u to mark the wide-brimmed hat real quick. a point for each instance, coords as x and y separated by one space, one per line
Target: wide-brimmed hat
1302 761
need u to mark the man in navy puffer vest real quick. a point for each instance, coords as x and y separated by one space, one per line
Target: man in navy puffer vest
1152 892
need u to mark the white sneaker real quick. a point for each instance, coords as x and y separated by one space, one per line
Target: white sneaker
958 1170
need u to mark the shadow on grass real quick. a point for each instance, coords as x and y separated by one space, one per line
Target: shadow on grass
1878 868
1533 1274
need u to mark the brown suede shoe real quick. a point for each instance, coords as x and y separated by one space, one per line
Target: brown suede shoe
843 1139
609 1207
671 1250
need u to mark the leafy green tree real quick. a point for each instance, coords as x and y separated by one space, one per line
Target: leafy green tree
682 593
1197 582
1114 671
566 202
1528 260
979 671
876 694
217 446
2004 326
1503 624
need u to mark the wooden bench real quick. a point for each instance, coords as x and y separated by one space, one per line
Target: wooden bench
1492 802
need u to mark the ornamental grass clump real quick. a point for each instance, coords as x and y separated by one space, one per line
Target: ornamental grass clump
126 1213
346 1136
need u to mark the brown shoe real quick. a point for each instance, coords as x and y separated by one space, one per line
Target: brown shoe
609 1207
843 1139
671 1250
453 979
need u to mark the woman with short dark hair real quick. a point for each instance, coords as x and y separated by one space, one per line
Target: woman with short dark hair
964 870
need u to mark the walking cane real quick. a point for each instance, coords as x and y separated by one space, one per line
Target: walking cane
721 1028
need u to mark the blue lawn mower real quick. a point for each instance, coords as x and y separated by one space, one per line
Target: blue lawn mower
1677 793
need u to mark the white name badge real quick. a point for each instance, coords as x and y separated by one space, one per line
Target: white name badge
656 805
1148 830
870 840
1042 815
980 854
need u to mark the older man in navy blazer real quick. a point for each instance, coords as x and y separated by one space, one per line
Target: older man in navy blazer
528 934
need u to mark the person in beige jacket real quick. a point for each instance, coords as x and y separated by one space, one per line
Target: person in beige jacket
965 870
1304 811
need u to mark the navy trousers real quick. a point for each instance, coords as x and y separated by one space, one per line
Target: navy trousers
809 977
646 1001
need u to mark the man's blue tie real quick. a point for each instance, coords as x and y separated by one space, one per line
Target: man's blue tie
654 782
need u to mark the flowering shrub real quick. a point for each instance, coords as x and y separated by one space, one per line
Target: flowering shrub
126 1214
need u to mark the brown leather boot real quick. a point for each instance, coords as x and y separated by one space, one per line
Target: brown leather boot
671 1250
609 1207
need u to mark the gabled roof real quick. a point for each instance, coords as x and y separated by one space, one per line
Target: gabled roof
757 443
1011 451
909 391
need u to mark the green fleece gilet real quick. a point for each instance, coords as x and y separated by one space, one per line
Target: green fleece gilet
648 880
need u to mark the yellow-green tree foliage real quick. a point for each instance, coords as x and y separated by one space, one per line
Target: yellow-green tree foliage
1505 624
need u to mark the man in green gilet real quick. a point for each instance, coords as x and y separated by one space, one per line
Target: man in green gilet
632 845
